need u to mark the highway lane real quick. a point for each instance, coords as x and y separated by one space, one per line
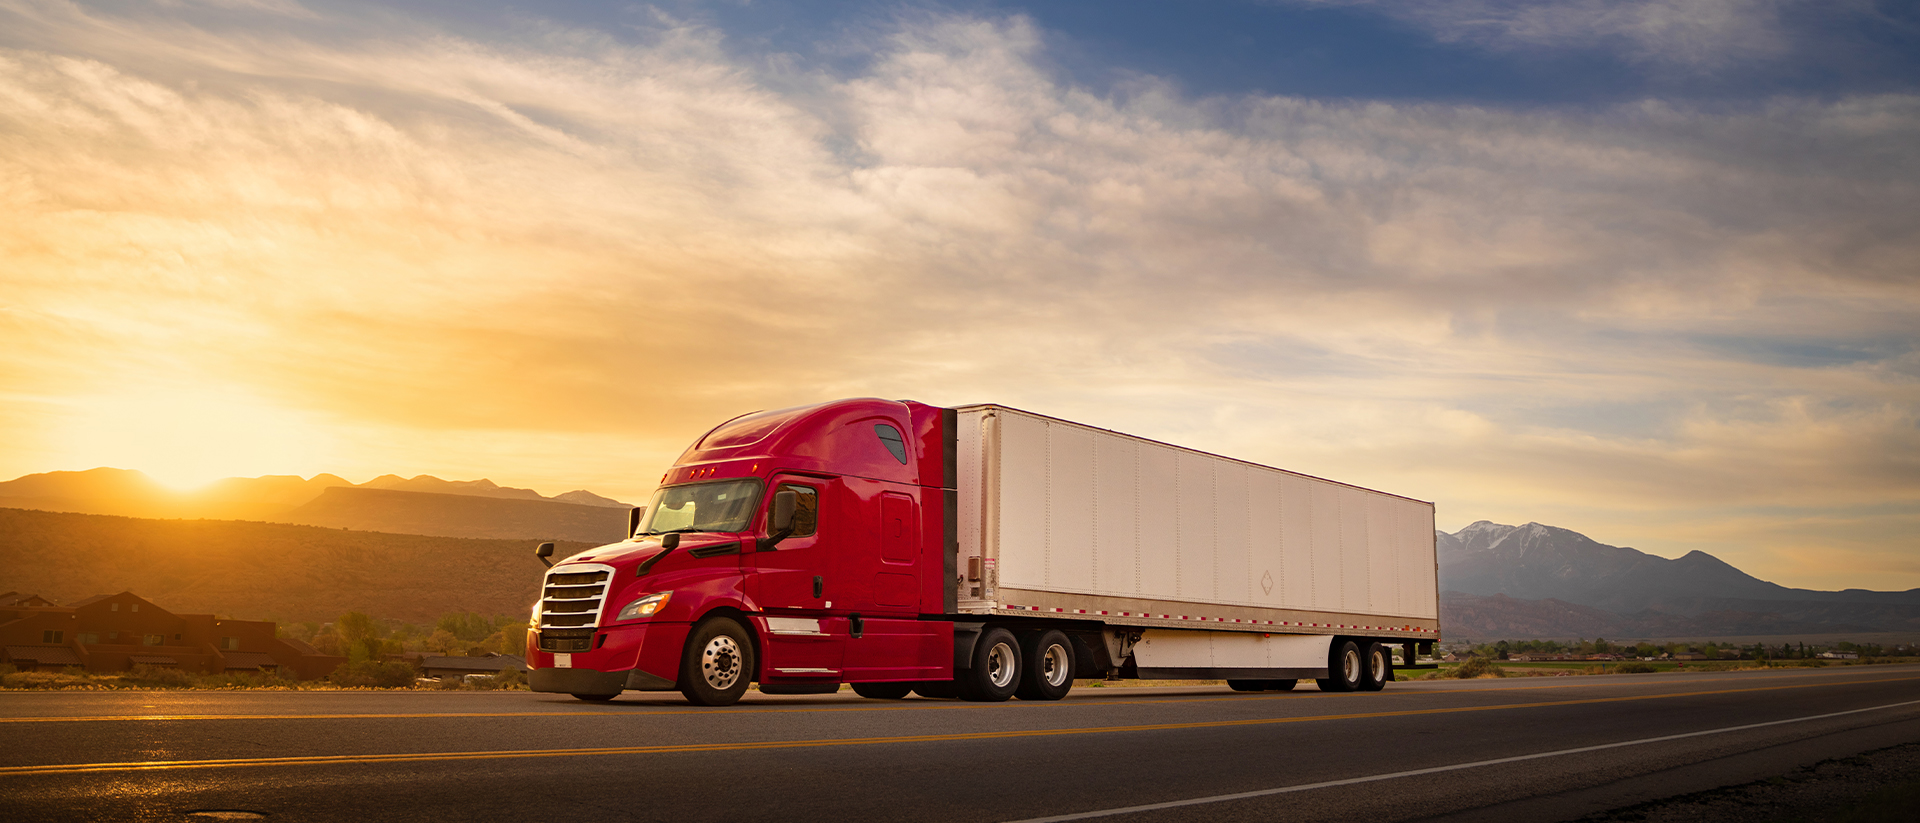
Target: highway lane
1416 751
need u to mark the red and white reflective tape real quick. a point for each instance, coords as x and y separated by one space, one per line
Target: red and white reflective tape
1250 621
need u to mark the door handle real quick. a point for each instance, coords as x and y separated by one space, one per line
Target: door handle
819 584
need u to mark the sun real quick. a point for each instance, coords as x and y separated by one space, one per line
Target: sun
187 438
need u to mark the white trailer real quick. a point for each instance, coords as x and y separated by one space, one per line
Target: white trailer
1166 562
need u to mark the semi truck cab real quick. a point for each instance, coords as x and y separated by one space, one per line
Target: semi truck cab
797 548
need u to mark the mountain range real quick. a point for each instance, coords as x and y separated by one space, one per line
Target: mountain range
389 503
1496 581
266 571
1535 580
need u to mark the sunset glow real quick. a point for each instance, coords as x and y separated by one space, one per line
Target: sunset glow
193 435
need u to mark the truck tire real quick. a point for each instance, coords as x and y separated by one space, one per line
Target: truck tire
1376 668
717 665
996 668
882 691
1343 668
1046 666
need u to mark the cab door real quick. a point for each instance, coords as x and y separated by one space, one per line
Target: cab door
789 583
792 574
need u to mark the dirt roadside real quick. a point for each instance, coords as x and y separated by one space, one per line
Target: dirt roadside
1871 787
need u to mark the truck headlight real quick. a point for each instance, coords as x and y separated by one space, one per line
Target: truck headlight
645 606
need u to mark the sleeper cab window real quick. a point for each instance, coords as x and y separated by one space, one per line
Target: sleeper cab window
806 509
890 437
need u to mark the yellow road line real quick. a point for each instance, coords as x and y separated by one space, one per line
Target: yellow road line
168 765
1116 699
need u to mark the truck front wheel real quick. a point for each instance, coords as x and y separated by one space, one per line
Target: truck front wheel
1344 667
1046 666
996 668
717 664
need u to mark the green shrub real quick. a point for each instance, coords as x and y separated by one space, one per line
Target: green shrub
1474 667
374 674
1635 668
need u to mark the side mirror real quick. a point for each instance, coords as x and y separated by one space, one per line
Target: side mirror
780 518
633 519
784 502
543 552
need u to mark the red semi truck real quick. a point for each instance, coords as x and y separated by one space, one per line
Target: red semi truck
982 552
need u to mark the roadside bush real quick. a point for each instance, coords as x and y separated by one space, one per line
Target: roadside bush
1474 667
1812 663
257 679
1635 668
46 680
374 674
158 677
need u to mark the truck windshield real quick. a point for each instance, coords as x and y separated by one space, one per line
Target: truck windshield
721 506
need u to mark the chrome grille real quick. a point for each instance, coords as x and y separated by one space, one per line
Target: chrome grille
573 596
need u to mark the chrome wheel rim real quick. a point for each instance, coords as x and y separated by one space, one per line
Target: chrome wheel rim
1350 666
1053 665
1000 665
720 663
1378 663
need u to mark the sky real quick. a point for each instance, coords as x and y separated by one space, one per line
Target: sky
1648 270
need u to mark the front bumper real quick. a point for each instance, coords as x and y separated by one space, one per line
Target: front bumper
593 681
638 656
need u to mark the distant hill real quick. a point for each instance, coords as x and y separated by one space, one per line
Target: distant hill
506 511
266 570
455 515
1541 581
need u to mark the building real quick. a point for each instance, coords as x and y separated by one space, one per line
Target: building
115 632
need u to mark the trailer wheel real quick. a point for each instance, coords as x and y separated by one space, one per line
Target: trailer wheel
1281 685
1378 668
1046 666
1247 685
882 691
1343 668
717 665
996 668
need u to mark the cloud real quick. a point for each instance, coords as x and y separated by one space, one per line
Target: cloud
1690 35
553 258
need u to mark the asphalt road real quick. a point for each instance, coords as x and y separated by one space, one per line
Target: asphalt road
1529 749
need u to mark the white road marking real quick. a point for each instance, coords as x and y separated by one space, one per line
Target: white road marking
1372 778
